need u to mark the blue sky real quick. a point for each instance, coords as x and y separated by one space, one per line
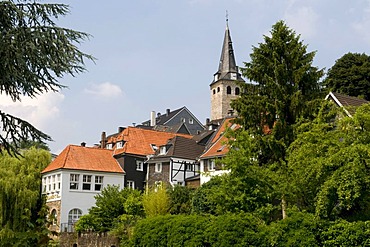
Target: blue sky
159 54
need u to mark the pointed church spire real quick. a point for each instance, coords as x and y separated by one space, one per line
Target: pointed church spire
227 68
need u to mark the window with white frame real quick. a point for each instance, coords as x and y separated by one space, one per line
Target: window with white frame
130 184
49 183
119 144
191 121
44 185
53 182
158 167
58 181
74 215
183 120
158 185
211 165
139 165
86 182
109 146
163 150
98 183
74 180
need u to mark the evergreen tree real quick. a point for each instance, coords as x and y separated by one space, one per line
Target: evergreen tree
34 54
284 85
350 75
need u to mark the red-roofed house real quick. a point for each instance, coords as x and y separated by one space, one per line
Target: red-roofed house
216 149
132 147
72 180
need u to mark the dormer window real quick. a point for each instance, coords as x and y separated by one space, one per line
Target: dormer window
154 147
119 144
233 76
216 77
163 150
109 146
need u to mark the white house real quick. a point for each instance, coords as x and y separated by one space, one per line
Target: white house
71 181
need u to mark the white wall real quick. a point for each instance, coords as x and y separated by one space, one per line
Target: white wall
83 199
206 176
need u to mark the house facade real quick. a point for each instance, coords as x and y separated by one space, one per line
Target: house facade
174 162
215 150
133 147
73 179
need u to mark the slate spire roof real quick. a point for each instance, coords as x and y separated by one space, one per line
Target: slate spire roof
227 65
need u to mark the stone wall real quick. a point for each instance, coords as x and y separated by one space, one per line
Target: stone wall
55 226
87 240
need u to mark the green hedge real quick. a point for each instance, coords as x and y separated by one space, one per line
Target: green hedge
299 229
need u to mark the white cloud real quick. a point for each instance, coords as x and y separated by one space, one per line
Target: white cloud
38 111
104 90
302 19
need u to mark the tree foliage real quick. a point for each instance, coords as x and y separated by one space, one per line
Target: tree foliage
156 201
22 208
330 163
350 75
110 204
34 54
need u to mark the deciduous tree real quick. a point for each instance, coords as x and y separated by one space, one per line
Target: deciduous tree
350 75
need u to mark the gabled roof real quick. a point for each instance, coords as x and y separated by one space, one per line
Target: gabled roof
85 158
177 128
346 102
140 141
181 147
218 146
164 119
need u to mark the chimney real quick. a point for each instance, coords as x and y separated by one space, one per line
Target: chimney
207 121
83 144
103 141
152 118
120 129
167 112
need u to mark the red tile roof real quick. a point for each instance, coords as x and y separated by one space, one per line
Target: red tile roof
139 141
85 158
219 145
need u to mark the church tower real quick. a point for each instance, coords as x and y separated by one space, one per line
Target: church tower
224 86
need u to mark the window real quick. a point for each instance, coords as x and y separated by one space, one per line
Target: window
109 146
49 183
218 89
158 167
58 181
214 91
139 165
74 215
228 90
183 120
158 185
53 217
189 166
237 91
130 184
86 182
44 185
191 121
98 183
163 150
53 180
120 144
74 180
211 165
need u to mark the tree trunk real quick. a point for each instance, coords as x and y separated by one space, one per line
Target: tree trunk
283 207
